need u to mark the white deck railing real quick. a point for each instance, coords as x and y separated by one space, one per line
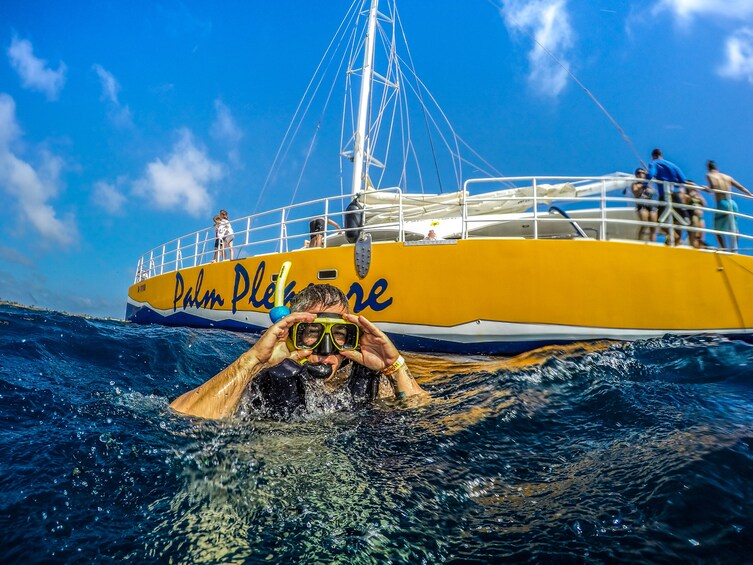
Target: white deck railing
602 213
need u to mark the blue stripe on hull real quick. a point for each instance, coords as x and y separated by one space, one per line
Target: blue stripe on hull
145 315
419 344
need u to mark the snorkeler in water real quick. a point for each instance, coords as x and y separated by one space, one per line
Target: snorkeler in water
318 340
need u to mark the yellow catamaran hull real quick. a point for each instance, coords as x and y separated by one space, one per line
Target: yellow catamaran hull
479 295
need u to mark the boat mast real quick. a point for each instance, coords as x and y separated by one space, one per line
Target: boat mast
359 149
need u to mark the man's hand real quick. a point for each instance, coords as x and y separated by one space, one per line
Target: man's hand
271 348
376 350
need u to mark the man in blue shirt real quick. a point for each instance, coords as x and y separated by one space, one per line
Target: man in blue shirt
662 170
659 169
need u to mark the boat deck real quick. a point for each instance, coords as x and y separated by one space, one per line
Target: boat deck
598 208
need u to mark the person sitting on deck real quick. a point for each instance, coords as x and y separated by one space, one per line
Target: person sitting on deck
316 231
319 344
724 220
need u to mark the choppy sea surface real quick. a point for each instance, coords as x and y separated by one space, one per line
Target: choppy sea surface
591 453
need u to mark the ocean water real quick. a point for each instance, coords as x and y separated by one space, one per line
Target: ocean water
590 453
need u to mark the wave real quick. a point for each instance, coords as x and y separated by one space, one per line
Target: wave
592 452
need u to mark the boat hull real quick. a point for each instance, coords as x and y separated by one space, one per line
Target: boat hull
479 295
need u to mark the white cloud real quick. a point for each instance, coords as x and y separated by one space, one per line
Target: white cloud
738 63
108 197
225 130
31 187
739 52
686 10
34 73
224 127
119 114
548 22
180 182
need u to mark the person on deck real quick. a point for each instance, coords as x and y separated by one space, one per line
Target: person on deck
225 231
218 243
644 193
698 202
316 231
343 352
720 185
669 176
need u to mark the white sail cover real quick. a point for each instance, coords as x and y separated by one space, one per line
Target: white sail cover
383 206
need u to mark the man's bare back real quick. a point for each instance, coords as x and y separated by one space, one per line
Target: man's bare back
720 184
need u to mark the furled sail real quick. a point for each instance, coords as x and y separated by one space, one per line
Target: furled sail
384 206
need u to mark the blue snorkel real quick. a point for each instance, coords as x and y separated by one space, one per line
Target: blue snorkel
280 310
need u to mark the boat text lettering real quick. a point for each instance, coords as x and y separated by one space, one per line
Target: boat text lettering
372 300
261 296
240 292
194 298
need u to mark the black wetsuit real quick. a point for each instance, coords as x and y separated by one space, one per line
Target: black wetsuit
280 391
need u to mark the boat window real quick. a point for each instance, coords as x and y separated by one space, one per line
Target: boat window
327 274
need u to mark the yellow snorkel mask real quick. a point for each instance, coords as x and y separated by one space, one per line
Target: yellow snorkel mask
328 334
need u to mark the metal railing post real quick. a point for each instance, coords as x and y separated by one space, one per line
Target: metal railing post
464 213
401 227
535 210
603 211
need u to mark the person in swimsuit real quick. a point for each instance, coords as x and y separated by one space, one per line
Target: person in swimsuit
720 185
696 199
645 193
321 341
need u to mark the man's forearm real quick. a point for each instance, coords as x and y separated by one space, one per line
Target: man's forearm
404 384
220 395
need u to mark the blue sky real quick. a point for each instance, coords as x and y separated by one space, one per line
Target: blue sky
126 124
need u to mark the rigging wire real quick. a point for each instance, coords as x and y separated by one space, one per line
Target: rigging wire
621 131
316 132
353 47
393 94
398 22
286 143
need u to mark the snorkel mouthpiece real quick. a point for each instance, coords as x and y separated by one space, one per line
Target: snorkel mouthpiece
318 370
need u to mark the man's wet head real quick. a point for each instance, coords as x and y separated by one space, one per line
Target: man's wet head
329 333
